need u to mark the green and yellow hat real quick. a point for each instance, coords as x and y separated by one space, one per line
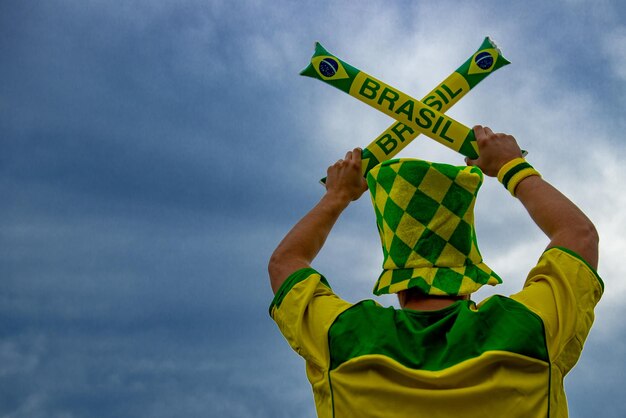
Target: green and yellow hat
425 217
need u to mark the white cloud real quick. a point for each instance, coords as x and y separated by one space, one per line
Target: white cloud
614 48
20 355
605 189
410 45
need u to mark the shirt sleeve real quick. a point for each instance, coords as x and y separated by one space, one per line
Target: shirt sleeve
304 308
563 290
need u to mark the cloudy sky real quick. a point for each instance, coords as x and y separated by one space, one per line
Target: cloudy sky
153 154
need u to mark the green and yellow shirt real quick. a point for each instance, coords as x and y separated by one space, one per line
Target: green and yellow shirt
505 357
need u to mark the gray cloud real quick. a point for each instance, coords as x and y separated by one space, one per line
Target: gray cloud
153 155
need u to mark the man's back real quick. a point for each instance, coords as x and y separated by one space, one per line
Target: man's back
505 357
463 360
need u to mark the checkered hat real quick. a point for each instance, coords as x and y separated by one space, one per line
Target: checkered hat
425 217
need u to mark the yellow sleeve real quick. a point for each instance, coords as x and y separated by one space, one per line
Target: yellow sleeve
304 308
563 290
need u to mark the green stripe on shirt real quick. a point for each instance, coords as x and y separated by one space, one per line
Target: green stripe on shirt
295 278
439 339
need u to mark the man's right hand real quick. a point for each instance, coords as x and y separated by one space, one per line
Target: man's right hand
494 149
345 180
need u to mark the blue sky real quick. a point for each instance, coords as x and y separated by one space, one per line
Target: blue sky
153 154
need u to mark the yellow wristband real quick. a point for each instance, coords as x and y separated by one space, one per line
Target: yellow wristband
513 172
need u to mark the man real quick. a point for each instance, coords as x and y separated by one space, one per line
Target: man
441 355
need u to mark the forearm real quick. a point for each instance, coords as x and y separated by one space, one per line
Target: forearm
560 219
297 250
302 244
555 214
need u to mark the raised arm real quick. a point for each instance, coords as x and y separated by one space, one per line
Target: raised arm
297 250
560 219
